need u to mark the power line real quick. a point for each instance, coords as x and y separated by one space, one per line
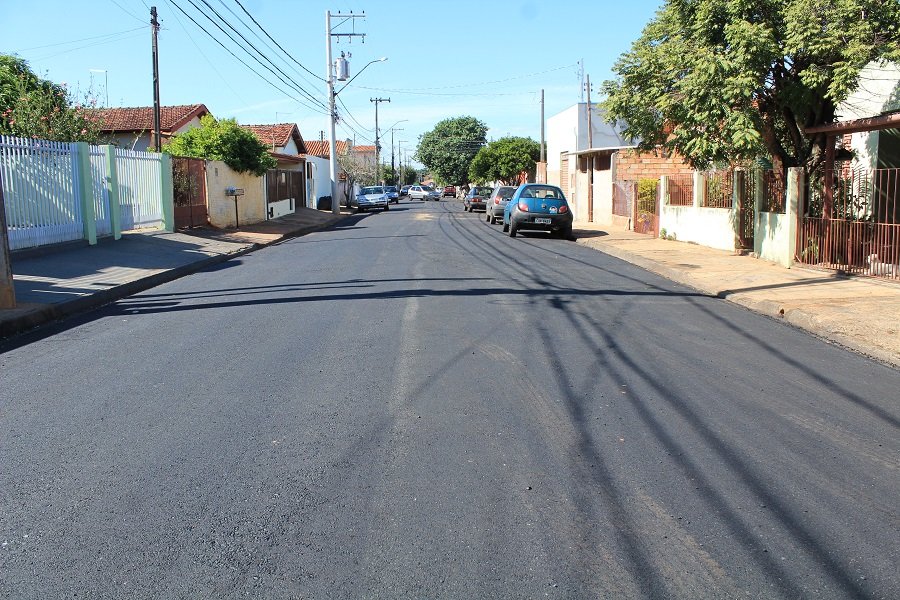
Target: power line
349 114
276 43
254 71
109 41
296 85
96 37
127 12
209 62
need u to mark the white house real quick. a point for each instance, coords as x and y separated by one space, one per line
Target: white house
580 162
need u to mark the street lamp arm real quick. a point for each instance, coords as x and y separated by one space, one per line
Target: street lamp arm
382 59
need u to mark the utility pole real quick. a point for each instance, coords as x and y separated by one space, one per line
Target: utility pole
393 168
542 170
332 151
589 157
377 101
157 136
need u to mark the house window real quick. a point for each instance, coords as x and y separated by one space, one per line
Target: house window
602 162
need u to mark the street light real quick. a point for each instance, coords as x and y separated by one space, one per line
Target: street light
332 154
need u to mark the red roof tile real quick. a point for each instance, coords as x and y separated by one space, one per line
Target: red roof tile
141 118
320 148
279 134
364 148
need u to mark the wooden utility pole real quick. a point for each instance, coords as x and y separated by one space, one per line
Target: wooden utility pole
157 136
7 288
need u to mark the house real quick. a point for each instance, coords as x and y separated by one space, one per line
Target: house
132 128
318 170
591 164
285 143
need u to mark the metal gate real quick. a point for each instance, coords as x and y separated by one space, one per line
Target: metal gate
189 181
623 198
285 190
646 209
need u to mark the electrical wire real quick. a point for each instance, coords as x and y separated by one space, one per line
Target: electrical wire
354 119
209 62
129 13
279 45
109 41
295 86
96 37
272 52
254 71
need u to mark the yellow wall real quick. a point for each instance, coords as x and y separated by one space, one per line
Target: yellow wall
251 206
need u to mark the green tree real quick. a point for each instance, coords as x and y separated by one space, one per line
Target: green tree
448 149
38 108
224 140
732 80
504 159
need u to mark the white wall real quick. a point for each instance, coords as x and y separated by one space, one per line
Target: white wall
711 227
320 183
775 235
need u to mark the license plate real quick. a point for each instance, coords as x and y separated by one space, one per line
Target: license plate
540 221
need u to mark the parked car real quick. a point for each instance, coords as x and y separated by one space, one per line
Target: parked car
404 191
392 194
449 191
497 202
476 197
423 192
538 206
370 197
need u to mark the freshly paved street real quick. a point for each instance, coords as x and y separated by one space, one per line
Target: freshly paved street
413 405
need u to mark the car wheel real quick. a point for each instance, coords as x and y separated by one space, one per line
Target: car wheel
493 220
566 233
487 216
387 207
512 230
505 226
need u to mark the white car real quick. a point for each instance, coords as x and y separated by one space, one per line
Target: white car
423 192
371 197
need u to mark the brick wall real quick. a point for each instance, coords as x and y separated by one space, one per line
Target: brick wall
634 165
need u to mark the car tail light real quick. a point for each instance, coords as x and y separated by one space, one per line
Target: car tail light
523 206
496 200
563 209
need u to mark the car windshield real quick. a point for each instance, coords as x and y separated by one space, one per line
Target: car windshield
371 190
390 188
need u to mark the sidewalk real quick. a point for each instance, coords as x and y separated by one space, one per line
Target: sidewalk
856 312
55 282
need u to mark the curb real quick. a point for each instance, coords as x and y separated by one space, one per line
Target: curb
54 312
796 317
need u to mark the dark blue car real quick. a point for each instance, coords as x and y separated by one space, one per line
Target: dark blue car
538 206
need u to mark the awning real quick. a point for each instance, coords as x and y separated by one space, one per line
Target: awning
888 121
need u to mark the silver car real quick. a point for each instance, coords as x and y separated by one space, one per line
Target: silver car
423 192
371 197
495 204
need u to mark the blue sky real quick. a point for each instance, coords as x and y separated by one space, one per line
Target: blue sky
488 59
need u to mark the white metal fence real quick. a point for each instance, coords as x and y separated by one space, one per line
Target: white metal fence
43 197
39 191
140 194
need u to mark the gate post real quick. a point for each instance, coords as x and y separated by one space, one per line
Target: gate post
738 198
699 189
81 153
759 190
112 191
167 192
791 210
7 286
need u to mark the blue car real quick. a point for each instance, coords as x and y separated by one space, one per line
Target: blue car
538 206
392 194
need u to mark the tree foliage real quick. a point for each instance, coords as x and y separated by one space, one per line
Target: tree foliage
504 159
38 108
734 80
448 149
223 140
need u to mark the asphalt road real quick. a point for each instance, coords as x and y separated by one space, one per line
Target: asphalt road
413 405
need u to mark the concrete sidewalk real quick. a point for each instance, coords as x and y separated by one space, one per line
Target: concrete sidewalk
859 313
55 282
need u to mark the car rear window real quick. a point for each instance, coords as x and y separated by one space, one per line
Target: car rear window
483 191
506 192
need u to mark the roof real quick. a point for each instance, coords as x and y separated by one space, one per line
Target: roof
287 157
606 149
364 148
320 148
278 134
171 118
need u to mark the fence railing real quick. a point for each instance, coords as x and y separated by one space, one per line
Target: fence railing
718 190
774 194
680 190
46 198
